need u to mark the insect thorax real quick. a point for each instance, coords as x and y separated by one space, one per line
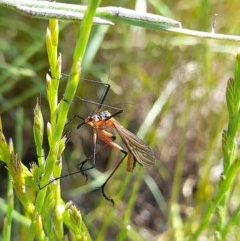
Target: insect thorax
103 115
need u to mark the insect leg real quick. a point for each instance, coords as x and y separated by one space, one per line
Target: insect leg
103 97
80 169
58 178
109 177
93 156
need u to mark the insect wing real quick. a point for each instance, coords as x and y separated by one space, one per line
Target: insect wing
141 152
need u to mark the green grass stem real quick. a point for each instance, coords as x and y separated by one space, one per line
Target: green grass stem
231 162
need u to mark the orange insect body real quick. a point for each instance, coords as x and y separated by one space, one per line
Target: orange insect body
137 149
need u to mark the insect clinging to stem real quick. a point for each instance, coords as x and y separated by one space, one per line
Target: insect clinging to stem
101 123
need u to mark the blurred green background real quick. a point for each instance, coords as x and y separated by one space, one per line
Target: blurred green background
180 79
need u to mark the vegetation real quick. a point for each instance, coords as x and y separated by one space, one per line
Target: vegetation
172 84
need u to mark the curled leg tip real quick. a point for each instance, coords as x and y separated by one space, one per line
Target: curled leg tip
106 197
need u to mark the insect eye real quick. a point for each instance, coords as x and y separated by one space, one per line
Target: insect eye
91 117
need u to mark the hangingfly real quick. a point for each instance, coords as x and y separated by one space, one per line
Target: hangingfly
137 149
102 122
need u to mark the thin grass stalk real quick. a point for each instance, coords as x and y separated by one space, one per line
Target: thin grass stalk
58 113
8 221
231 162
124 230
